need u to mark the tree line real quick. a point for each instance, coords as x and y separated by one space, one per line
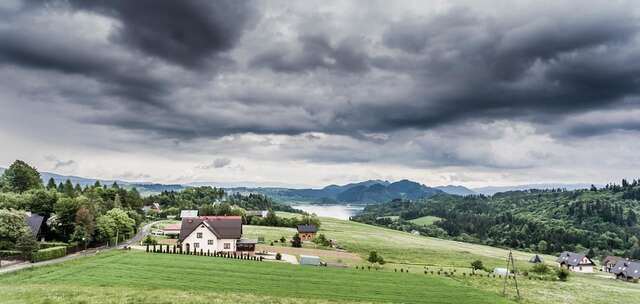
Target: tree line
598 221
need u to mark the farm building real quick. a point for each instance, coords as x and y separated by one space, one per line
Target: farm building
214 234
171 230
626 270
258 213
577 262
309 260
609 262
307 232
536 259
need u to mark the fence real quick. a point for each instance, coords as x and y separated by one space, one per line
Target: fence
221 254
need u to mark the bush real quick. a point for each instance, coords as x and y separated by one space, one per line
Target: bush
375 258
540 269
563 274
9 253
149 241
45 245
278 256
322 240
48 254
477 265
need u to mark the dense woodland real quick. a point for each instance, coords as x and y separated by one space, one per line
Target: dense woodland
88 214
598 221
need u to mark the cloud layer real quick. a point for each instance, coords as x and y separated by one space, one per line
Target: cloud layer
460 89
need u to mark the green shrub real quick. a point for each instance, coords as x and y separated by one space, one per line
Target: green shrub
278 256
9 253
540 269
45 245
48 254
563 274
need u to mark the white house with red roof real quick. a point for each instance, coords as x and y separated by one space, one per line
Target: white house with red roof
214 234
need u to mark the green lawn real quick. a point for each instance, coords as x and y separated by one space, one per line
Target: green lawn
425 220
139 277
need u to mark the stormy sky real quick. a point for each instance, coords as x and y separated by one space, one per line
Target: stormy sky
304 93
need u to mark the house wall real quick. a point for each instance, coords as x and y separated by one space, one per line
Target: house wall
581 268
203 243
307 236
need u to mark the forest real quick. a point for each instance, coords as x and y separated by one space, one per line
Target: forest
81 215
597 221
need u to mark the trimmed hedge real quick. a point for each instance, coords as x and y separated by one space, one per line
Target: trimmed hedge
48 254
9 253
45 245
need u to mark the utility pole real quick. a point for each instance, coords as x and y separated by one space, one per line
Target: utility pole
511 262
117 230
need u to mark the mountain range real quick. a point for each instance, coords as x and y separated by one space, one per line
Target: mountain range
370 191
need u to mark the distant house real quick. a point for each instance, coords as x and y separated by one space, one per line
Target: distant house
536 259
188 213
214 234
155 207
626 270
307 232
171 230
34 221
577 262
609 262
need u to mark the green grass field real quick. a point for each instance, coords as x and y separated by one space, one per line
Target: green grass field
139 277
425 220
408 251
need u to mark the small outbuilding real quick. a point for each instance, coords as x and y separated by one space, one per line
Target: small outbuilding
536 259
307 232
500 271
310 260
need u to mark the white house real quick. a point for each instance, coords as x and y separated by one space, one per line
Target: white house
576 262
214 234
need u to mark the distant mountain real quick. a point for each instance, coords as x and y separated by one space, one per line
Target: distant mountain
456 190
493 190
366 192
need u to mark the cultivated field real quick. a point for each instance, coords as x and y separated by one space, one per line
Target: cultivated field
139 277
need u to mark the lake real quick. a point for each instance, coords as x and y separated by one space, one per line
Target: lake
341 212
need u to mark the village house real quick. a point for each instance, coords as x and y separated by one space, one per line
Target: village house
188 213
577 262
626 270
171 230
307 232
609 262
214 234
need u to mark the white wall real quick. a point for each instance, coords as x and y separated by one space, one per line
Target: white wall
218 244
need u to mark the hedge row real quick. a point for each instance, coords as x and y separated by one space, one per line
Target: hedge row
45 245
9 253
48 254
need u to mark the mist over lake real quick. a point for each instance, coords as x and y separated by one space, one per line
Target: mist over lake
341 212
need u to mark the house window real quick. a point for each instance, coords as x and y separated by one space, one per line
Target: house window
199 235
227 245
580 267
196 245
210 242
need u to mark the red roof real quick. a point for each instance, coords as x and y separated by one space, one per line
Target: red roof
172 227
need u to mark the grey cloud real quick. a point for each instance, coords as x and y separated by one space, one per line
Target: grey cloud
182 32
316 51
216 164
59 164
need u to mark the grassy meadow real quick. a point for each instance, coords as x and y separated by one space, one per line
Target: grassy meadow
425 220
139 277
408 251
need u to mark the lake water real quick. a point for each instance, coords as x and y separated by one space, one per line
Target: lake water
341 212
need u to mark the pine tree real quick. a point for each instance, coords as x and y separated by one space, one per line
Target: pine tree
97 184
77 189
68 189
51 185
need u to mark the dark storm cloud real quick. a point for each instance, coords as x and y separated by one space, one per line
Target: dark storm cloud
121 78
182 32
418 73
316 51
